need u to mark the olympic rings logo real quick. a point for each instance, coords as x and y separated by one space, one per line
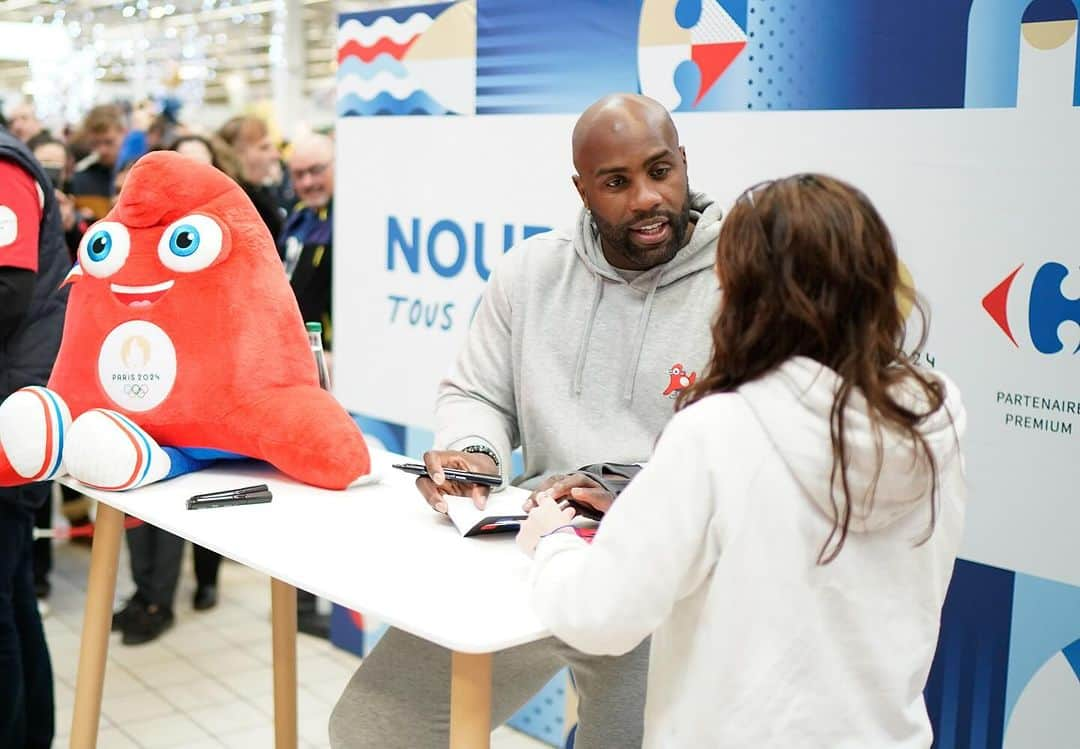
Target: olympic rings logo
135 390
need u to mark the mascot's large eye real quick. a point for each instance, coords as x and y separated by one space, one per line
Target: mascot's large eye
184 240
190 244
99 246
104 248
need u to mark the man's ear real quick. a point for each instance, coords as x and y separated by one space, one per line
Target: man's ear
580 190
682 150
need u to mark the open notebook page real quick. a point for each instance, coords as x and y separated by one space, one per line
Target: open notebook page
502 513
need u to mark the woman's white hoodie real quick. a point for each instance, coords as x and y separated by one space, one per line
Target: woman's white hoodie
713 549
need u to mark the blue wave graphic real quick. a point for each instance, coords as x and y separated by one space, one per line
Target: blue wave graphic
383 63
401 15
418 102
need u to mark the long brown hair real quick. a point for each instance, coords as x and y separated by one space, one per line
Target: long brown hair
243 130
808 268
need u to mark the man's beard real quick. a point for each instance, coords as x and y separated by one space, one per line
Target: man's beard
619 237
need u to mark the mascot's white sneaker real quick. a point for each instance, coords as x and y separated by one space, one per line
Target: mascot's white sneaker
107 450
34 427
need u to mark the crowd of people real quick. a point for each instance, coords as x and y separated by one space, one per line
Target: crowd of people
775 542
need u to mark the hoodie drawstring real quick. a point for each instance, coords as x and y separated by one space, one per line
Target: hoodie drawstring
579 370
639 339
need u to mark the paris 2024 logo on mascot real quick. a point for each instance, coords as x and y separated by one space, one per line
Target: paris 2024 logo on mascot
182 345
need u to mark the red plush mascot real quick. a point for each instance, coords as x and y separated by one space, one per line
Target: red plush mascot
182 345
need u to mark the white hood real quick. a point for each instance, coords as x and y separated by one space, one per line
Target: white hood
794 407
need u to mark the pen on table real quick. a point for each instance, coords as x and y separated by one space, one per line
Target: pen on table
251 498
242 491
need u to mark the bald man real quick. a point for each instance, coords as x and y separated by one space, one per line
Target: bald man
306 241
571 356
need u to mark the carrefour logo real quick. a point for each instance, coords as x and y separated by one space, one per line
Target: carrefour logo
1051 301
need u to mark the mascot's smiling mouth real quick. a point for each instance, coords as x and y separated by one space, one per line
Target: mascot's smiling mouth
140 296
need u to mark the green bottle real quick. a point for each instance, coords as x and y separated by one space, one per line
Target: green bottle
314 334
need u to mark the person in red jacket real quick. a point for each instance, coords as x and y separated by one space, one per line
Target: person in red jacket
33 261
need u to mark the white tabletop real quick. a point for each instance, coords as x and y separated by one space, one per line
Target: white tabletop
378 549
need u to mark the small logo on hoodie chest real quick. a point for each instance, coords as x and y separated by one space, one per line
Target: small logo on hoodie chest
679 380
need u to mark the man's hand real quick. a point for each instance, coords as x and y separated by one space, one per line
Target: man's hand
67 210
591 499
547 517
437 485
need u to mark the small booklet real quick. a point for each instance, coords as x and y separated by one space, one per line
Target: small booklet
502 514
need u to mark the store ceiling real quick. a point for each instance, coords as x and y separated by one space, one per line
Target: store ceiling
219 52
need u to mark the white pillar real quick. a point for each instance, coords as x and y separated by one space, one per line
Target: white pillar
288 57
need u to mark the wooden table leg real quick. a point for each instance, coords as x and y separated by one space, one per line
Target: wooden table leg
470 701
283 606
97 622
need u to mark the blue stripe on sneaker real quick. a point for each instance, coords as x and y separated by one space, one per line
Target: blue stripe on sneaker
146 443
59 431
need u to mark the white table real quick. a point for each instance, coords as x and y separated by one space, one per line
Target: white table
378 549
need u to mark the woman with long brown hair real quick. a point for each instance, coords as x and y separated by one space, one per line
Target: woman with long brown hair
791 541
256 159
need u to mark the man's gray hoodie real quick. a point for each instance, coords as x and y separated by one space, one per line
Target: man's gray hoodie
572 362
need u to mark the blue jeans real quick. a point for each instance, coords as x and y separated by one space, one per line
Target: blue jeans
26 685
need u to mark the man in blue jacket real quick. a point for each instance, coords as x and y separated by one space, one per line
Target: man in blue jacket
306 242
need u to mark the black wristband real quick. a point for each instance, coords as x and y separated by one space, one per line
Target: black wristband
483 450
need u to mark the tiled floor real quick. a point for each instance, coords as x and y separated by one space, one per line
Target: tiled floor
206 682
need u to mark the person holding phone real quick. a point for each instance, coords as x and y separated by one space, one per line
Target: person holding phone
794 590
92 185
570 356
54 158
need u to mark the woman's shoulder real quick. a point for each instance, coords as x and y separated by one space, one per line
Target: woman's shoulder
718 414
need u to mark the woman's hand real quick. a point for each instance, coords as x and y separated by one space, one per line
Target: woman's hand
590 499
546 517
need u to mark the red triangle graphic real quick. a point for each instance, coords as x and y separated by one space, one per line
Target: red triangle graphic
712 60
996 304
357 619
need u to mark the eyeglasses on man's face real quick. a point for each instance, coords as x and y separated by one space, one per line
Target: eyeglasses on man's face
314 170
